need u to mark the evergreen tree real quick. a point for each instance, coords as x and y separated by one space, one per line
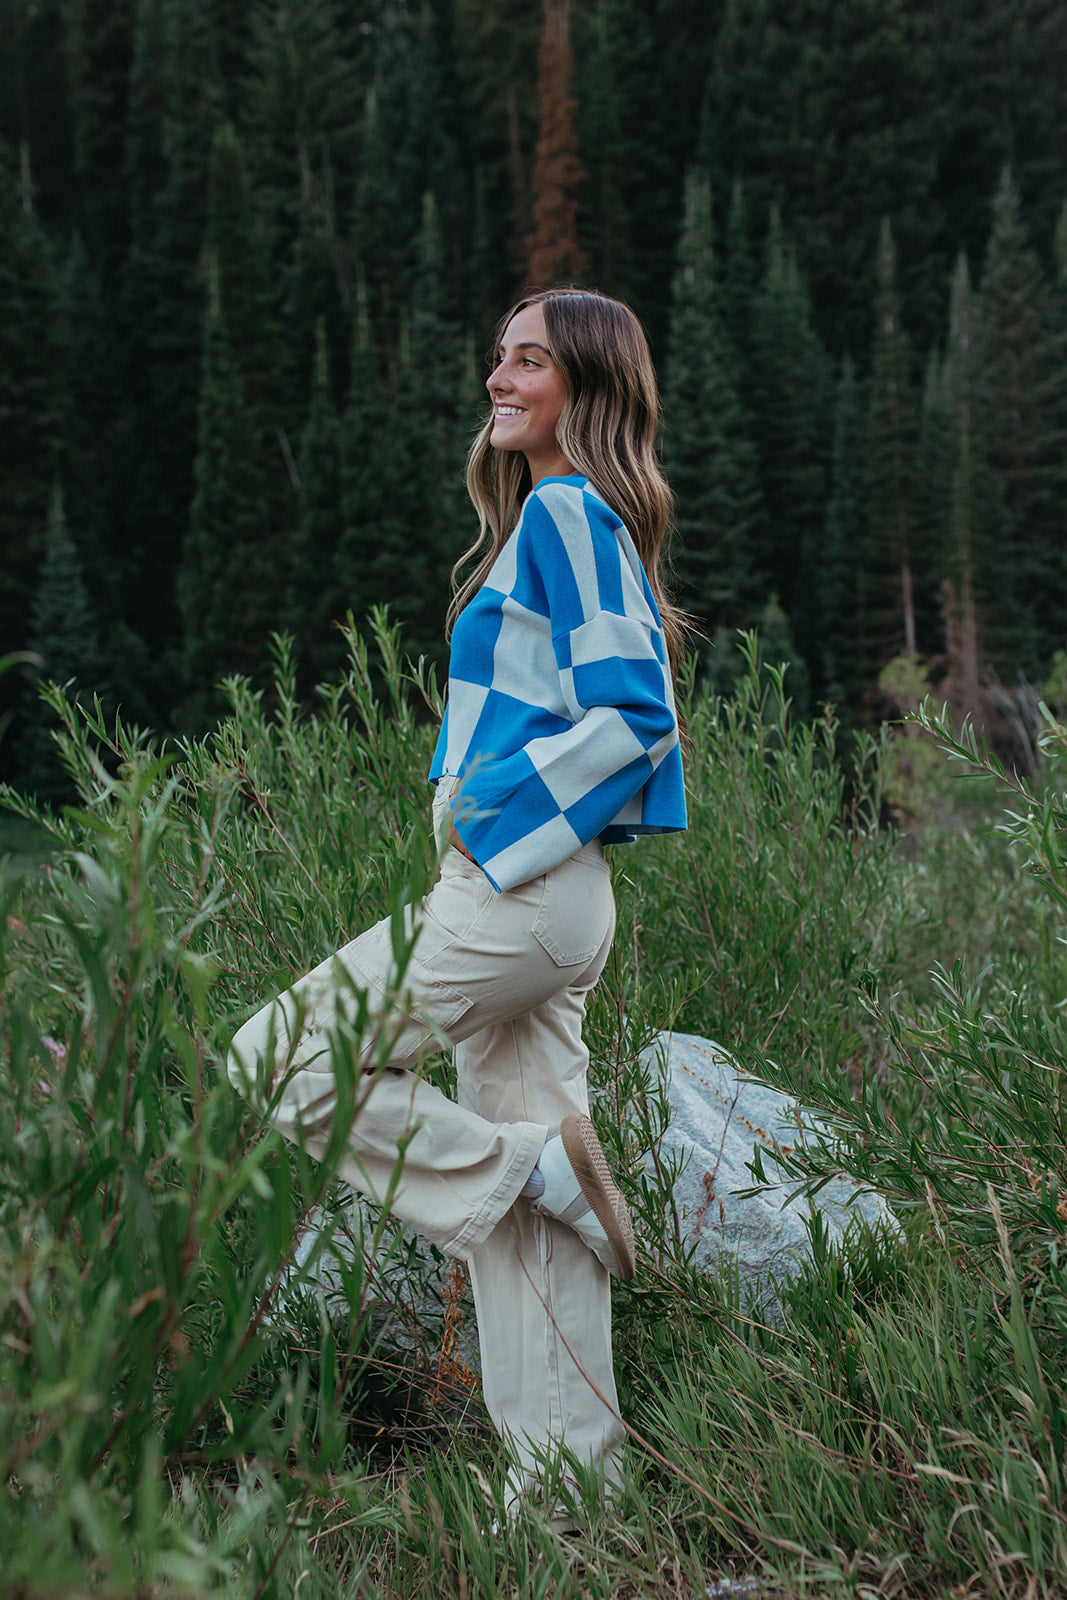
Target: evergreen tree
660 60
185 65
483 262
1058 351
411 139
494 47
400 114
443 394
443 164
314 288
301 133
235 563
381 245
1021 411
89 404
839 664
606 233
176 102
237 247
299 92
35 102
836 114
224 551
777 649
790 386
29 402
708 454
738 284
421 511
64 638
630 201
554 252
962 589
932 504
364 492
313 598
98 47
888 575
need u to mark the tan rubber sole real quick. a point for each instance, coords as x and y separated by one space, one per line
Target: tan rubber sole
586 1156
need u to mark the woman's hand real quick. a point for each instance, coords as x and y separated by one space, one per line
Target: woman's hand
457 844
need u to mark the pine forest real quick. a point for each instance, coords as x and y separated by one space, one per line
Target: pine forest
252 257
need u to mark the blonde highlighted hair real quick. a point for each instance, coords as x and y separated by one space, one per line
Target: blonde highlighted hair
607 431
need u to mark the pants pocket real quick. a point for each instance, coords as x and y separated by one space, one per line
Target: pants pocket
428 1003
576 911
455 904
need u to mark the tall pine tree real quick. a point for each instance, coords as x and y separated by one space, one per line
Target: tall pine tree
888 570
708 454
98 40
966 560
313 600
838 667
30 413
364 493
1022 408
300 132
65 641
176 101
790 388
235 561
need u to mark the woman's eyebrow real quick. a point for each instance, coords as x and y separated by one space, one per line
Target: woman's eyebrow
528 344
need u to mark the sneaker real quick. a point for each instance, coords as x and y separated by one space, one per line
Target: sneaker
580 1191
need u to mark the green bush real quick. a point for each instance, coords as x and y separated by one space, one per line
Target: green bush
783 890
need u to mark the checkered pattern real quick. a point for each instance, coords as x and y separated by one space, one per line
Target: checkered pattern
560 719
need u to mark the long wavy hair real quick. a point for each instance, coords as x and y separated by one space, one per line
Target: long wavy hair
607 431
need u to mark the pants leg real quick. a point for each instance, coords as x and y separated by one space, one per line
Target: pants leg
543 1300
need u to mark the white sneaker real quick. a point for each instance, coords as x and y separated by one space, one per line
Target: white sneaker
580 1191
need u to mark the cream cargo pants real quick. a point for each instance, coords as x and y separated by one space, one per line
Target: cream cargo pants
504 977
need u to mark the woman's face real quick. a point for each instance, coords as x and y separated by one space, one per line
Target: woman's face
528 393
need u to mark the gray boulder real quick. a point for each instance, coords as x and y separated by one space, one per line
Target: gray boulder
718 1119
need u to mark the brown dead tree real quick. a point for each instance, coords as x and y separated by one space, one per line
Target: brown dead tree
554 254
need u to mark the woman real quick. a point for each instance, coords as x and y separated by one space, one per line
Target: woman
559 736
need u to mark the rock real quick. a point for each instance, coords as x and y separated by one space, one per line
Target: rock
718 1118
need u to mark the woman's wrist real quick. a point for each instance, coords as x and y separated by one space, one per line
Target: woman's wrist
457 844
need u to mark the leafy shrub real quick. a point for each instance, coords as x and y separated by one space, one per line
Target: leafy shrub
783 890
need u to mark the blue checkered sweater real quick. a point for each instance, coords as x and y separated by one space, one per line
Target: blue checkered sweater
560 719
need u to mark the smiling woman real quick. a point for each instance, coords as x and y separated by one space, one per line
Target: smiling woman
559 737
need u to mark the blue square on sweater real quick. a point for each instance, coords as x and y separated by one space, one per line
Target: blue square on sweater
474 638
605 800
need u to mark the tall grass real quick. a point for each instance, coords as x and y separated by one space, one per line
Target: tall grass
183 1411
